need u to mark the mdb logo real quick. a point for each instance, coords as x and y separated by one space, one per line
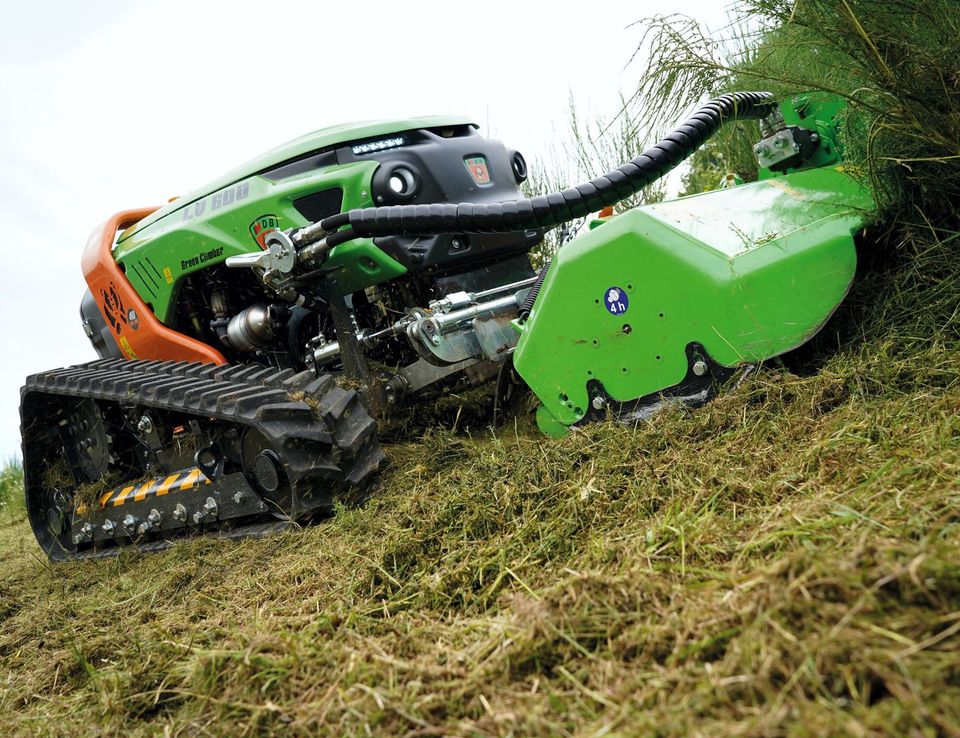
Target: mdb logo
616 300
477 166
262 226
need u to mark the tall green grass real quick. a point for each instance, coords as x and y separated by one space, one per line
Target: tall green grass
11 487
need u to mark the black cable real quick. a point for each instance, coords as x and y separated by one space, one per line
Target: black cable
547 211
335 239
335 221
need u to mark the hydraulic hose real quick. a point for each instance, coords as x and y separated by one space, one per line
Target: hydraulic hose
547 211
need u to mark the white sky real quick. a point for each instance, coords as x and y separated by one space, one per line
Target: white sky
113 104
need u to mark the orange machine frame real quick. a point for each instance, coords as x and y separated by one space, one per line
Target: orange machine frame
136 329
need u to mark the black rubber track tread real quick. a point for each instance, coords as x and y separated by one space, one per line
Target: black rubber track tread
326 439
252 530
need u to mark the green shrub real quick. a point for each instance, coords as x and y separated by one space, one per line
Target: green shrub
897 64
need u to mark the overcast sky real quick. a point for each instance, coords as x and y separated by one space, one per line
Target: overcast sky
113 104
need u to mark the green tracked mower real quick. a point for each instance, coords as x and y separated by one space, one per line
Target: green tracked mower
253 333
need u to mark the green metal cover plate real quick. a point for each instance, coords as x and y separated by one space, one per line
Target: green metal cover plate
749 272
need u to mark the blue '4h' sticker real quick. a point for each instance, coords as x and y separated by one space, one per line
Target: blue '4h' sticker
616 300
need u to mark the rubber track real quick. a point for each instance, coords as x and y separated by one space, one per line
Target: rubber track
252 530
328 447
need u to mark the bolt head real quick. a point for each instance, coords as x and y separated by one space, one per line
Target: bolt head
108 526
145 425
435 340
238 497
85 533
700 368
154 517
598 403
180 513
210 506
198 518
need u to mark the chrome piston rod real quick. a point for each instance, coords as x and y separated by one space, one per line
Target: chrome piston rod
440 323
447 321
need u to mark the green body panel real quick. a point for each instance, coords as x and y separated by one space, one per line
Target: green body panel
319 140
202 229
749 272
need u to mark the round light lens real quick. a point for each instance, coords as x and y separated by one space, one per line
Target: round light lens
402 182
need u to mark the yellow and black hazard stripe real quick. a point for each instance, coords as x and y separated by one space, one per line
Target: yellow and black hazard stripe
181 481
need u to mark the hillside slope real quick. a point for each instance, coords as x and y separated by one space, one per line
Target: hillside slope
782 562
785 561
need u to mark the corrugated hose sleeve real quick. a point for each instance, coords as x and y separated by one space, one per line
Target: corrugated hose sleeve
531 297
547 211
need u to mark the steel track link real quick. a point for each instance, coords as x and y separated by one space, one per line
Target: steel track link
324 437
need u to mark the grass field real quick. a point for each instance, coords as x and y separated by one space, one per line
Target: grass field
782 562
785 561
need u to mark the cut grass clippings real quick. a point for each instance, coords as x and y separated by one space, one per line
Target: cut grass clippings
783 561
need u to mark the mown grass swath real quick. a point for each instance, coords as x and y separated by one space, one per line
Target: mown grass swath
783 561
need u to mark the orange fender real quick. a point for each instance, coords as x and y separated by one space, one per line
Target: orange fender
135 328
